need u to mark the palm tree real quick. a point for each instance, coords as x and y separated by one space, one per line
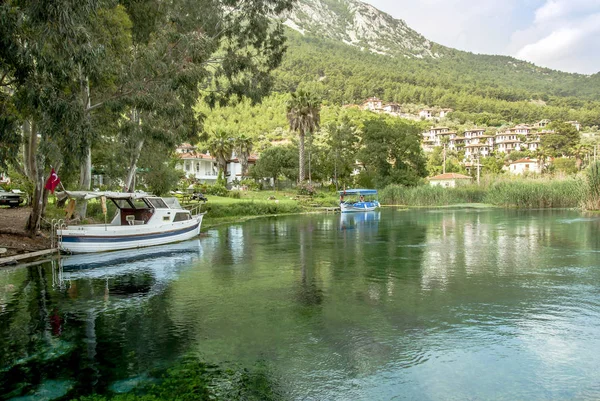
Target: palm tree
303 114
220 146
243 146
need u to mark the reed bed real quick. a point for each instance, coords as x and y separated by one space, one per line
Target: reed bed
519 193
592 200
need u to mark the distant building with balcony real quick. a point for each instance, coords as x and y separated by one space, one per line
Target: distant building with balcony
201 166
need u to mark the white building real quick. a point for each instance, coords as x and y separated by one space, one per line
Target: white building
201 166
373 104
449 180
523 166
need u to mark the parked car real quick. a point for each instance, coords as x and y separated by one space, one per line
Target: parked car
199 197
10 198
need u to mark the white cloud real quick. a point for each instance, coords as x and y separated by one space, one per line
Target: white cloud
564 35
560 34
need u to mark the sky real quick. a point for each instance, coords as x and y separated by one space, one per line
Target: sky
559 34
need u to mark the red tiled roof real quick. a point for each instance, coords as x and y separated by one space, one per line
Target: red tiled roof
450 176
525 161
194 155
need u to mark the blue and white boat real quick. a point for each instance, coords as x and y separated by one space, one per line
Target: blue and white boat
358 203
141 220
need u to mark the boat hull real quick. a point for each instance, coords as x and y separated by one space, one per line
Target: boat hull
358 207
86 239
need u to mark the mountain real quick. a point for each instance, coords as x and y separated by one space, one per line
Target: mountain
347 51
361 25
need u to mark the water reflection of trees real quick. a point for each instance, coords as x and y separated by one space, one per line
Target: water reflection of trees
92 330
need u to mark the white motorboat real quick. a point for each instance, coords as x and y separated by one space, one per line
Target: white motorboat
359 205
141 220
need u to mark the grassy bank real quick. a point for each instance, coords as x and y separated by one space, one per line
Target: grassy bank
519 193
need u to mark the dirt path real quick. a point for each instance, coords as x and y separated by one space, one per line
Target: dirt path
12 234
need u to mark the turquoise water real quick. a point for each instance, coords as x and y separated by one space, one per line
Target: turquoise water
418 304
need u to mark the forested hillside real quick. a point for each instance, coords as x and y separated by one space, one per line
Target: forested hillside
502 88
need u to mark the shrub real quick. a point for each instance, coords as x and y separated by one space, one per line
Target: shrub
235 194
306 189
250 184
217 190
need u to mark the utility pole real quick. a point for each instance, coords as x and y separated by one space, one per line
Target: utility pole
444 166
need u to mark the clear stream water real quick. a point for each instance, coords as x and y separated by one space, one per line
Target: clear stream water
418 305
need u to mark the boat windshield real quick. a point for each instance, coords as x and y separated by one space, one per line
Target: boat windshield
173 203
158 203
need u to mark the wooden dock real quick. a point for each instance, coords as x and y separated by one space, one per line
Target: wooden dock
26 257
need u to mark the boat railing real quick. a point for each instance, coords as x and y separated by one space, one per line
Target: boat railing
195 209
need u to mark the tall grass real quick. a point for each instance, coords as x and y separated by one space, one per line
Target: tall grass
519 193
592 200
426 195
537 194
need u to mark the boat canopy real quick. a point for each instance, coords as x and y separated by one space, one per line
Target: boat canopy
87 195
358 192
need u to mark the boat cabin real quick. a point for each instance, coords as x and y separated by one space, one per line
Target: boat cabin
135 209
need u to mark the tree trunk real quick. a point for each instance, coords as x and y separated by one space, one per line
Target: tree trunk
130 181
85 167
301 158
27 149
85 181
36 165
244 162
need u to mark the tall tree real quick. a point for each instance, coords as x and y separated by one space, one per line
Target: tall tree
221 146
342 140
184 50
243 147
563 138
392 150
303 114
44 47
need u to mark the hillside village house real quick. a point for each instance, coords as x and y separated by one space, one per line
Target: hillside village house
449 180
377 105
476 143
373 104
433 113
523 166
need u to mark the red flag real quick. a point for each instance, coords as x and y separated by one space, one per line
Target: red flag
52 181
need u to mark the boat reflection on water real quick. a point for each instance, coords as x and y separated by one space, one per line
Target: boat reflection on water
359 220
163 263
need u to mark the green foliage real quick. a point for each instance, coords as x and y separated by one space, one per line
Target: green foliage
306 189
426 195
277 161
220 146
249 208
250 184
392 148
216 189
221 181
564 138
592 174
490 90
519 193
304 116
564 165
235 194
536 193
192 379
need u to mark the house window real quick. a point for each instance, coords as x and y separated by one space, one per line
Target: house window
187 166
198 167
